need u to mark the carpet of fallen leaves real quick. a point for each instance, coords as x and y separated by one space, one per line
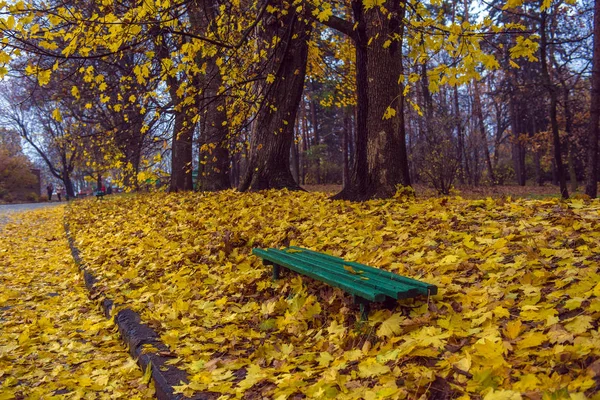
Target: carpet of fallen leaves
516 315
54 343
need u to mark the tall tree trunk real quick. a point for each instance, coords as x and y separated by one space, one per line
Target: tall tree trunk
460 136
183 126
356 187
551 88
381 160
537 159
482 133
518 151
273 131
314 122
345 138
213 169
67 181
214 158
295 162
591 185
130 143
388 160
181 158
305 143
570 138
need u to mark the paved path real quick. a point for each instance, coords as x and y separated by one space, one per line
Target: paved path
54 342
6 209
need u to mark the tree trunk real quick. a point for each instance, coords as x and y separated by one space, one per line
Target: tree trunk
460 136
570 138
181 157
273 131
314 122
305 143
518 152
213 168
130 142
295 165
551 88
482 133
381 160
67 182
591 186
345 137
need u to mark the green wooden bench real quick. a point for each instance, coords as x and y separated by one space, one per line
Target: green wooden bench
366 284
99 194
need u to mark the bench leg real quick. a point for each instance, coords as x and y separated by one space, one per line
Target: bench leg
365 307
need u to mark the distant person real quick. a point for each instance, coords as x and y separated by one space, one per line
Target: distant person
50 189
60 192
109 189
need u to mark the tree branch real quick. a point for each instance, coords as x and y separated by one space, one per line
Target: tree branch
341 25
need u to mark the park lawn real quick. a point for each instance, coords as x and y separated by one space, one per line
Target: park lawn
516 314
54 342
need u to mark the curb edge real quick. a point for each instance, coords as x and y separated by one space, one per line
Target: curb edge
135 334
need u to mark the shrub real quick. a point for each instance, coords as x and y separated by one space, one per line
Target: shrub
33 197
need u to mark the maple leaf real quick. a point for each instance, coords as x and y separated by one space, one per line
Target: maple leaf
512 329
371 368
391 326
579 324
532 339
352 270
502 395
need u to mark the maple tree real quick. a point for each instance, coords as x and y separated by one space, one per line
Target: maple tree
14 166
222 81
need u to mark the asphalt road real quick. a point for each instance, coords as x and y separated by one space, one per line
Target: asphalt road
7 209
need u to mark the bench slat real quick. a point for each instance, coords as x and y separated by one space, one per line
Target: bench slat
347 283
428 288
393 289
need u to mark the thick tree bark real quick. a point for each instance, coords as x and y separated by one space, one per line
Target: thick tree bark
213 170
380 161
591 186
68 182
181 153
213 157
273 131
131 141
183 126
181 144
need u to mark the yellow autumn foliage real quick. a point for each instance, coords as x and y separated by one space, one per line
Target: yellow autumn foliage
54 342
517 309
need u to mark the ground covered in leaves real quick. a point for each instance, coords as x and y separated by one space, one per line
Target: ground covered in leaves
54 343
516 315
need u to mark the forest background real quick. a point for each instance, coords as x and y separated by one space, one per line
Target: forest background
371 94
